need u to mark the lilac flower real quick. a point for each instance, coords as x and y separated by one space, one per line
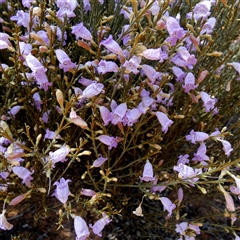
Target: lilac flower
92 90
37 100
178 72
106 115
62 190
86 6
164 121
4 224
132 64
183 159
197 136
110 141
201 154
185 172
45 116
4 41
187 230
14 110
22 18
145 104
131 116
155 8
24 174
27 3
111 45
38 71
50 135
167 205
155 54
236 66
81 32
233 189
125 37
99 161
184 59
209 102
100 224
107 66
81 228
43 38
208 26
65 61
151 73
59 155
66 8
226 147
126 13
147 172
157 188
88 192
189 82
174 30
118 113
62 37
201 10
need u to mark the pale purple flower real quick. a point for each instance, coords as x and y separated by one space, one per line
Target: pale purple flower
25 48
208 26
164 121
81 32
100 224
167 205
180 195
174 30
233 189
66 8
145 104
45 116
236 66
85 81
197 136
183 159
14 110
92 90
131 116
62 190
81 228
155 8
14 154
209 102
155 54
50 135
60 35
24 174
126 13
59 155
201 10
27 3
44 36
4 224
86 6
147 172
185 229
132 64
118 113
65 62
88 192
99 161
151 73
22 18
110 141
157 188
37 100
183 58
185 172
106 115
4 41
111 45
226 147
179 74
201 154
38 71
107 66
189 82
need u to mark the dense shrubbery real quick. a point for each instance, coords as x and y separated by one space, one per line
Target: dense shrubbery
122 110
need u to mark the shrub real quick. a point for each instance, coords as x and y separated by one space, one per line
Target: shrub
122 110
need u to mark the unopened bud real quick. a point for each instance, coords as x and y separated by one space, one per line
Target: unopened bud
59 96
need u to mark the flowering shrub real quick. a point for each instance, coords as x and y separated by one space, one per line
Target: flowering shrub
122 111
